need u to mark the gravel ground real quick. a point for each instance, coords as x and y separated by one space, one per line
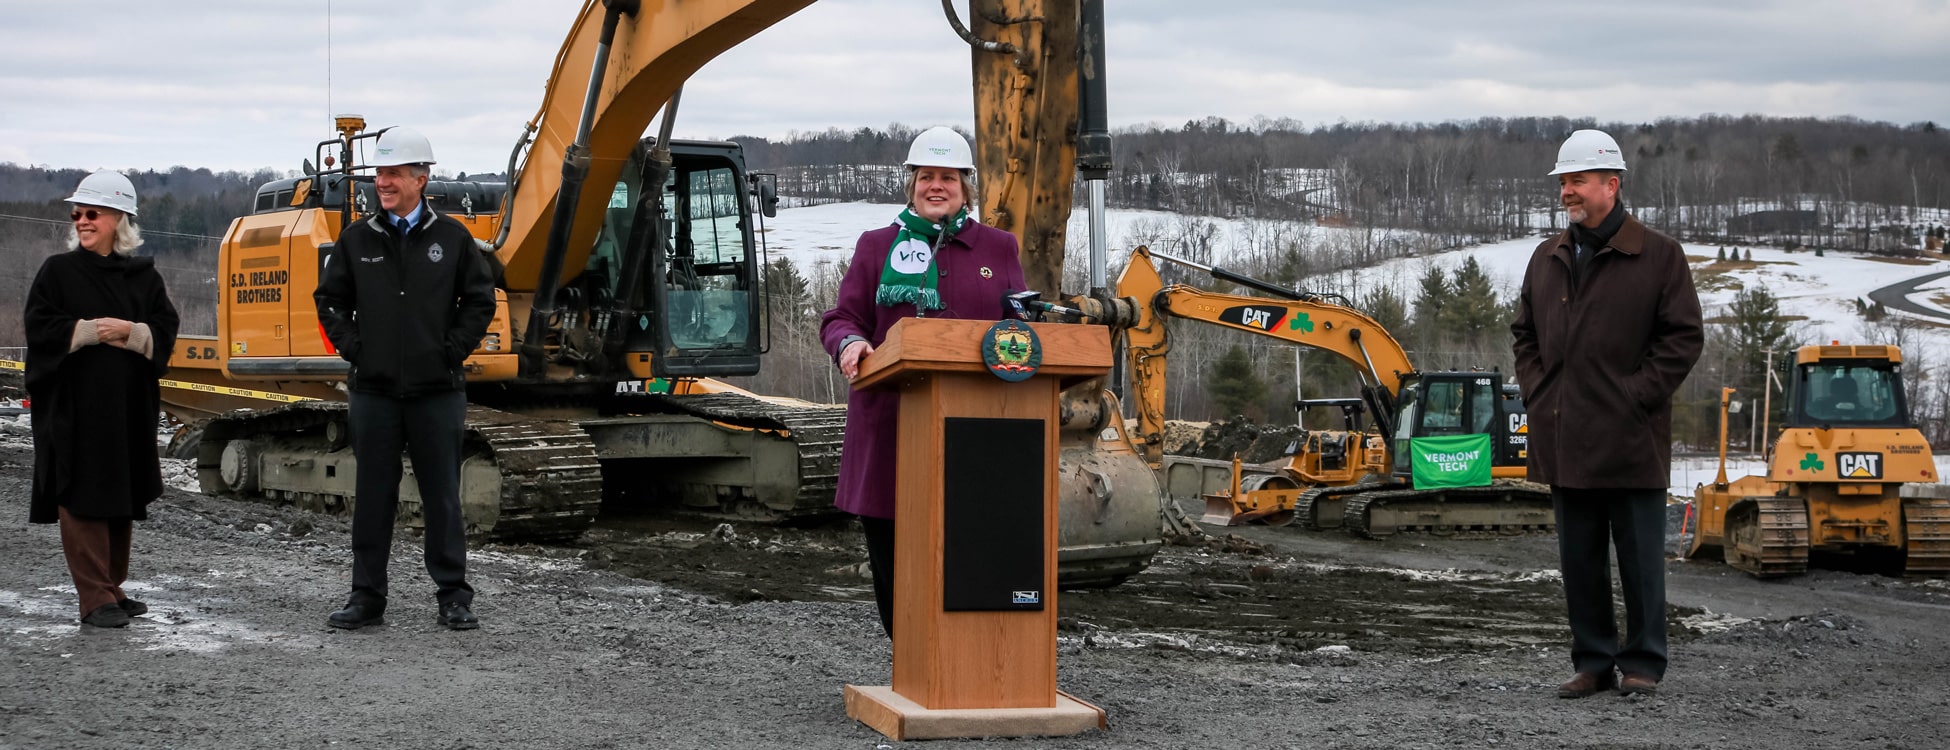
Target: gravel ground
660 634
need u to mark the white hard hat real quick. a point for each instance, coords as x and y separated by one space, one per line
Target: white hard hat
941 147
1587 150
106 188
398 145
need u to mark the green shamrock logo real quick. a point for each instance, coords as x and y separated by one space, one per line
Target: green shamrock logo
1812 463
1301 322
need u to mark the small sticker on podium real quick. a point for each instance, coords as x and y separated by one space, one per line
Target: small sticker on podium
1026 597
1012 351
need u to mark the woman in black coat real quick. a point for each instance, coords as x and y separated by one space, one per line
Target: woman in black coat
100 329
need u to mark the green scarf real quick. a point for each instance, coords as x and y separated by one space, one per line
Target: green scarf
910 274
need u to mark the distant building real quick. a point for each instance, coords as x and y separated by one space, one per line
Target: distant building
1773 222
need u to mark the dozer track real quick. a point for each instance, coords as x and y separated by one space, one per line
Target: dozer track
1321 507
1768 536
550 484
1926 528
816 430
1504 507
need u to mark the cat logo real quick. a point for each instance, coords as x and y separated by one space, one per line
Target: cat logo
1262 317
1859 465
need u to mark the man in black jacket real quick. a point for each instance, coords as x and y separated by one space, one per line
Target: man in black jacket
404 296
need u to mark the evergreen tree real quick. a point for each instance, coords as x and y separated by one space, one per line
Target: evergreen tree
1431 299
1756 326
1473 310
1233 384
1387 308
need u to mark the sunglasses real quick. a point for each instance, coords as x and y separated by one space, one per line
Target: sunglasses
92 214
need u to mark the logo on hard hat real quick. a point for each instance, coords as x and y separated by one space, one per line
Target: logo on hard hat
938 151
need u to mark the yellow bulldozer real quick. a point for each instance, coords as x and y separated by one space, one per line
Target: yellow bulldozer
1850 475
629 281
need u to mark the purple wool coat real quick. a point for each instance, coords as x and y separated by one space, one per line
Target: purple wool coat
977 267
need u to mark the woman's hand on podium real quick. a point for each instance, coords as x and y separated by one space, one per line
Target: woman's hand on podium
850 358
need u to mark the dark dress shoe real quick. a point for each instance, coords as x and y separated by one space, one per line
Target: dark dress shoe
1586 684
357 615
133 607
107 616
456 616
1638 684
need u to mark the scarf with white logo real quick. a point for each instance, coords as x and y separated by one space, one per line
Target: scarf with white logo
910 274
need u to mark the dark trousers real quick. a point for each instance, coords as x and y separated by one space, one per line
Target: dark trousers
98 558
880 557
430 429
1589 523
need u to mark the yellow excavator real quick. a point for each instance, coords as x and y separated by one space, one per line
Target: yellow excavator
629 280
1366 482
1850 475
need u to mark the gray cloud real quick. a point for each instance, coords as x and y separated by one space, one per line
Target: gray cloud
241 84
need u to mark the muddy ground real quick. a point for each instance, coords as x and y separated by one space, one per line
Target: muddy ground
657 632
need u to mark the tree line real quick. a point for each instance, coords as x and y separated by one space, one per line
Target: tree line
1392 190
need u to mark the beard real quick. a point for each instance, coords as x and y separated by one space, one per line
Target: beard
1578 213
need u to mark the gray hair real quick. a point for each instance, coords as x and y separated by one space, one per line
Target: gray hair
127 237
971 198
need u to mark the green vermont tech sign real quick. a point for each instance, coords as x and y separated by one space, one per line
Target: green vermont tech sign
1452 461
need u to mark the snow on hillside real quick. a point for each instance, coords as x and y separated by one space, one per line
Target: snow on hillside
1820 290
815 236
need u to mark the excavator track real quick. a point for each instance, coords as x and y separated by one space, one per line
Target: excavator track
1321 508
550 482
1926 527
1503 507
817 431
1768 536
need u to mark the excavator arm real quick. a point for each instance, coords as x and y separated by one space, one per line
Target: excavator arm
1144 300
655 46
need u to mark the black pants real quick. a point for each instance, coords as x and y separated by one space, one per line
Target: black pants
430 429
880 557
1589 523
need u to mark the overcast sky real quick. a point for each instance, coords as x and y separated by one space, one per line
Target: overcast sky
242 84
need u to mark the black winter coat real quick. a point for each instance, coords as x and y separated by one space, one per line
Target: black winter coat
95 409
1598 361
405 311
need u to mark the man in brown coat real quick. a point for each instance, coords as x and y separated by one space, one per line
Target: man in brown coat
1608 325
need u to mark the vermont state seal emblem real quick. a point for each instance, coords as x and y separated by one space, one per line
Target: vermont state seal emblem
1011 350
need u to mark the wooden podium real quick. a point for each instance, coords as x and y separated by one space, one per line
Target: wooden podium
975 535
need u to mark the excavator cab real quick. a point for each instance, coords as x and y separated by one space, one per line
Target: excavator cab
1439 404
690 241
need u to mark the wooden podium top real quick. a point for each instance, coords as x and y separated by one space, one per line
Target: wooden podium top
1071 352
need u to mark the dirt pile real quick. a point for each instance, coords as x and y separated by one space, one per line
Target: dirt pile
1183 438
1253 443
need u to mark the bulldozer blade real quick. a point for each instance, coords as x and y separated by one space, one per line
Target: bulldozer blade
1219 511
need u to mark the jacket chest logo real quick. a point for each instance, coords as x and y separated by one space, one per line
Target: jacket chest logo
434 253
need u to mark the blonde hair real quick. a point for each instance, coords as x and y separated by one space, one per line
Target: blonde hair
127 236
970 198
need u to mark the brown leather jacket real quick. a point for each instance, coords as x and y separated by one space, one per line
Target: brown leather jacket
1598 361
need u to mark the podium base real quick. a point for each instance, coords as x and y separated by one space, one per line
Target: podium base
894 715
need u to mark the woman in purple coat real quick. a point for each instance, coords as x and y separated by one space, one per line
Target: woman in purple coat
934 261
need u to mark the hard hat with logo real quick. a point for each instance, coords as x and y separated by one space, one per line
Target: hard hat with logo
399 145
941 147
1587 150
106 188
